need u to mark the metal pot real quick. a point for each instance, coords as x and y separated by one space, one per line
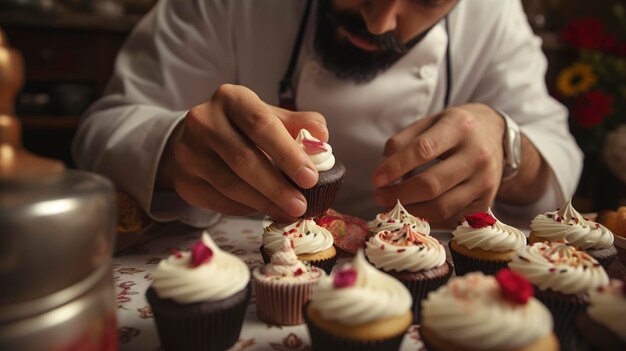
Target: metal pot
57 230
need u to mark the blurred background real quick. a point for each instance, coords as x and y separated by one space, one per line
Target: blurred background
69 47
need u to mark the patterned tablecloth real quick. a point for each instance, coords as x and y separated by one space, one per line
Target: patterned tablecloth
239 236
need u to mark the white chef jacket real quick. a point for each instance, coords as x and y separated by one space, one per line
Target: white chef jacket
182 51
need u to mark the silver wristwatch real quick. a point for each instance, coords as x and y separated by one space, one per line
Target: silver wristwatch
512 147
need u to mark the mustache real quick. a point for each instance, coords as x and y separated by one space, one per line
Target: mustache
354 24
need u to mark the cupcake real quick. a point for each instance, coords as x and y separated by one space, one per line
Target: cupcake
483 243
602 326
564 277
282 287
567 224
312 243
199 298
395 219
322 195
358 308
483 312
415 259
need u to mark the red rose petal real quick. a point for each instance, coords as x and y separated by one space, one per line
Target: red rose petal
345 278
200 254
514 286
480 220
312 146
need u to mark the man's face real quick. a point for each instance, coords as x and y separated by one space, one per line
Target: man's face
356 39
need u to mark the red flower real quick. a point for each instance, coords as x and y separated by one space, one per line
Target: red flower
200 254
480 220
588 33
515 287
345 278
591 108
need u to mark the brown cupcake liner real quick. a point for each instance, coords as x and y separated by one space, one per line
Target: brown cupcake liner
420 288
322 196
596 337
326 265
324 341
605 257
281 303
199 326
621 252
464 264
564 309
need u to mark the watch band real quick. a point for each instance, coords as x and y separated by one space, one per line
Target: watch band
511 146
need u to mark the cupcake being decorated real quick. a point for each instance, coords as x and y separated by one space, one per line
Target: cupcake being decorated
358 308
484 312
483 243
415 259
602 326
312 243
569 225
282 287
331 172
199 298
395 219
564 277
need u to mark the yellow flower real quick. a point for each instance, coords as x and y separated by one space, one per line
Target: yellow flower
576 79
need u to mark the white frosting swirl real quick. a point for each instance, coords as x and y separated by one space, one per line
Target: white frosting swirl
470 310
374 296
569 225
608 307
559 267
395 219
323 160
221 277
307 236
497 237
286 267
404 250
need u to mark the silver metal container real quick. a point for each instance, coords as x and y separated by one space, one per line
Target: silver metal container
57 232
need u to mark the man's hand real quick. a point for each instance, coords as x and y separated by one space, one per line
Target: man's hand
229 153
468 142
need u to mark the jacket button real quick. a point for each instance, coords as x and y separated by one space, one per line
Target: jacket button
426 71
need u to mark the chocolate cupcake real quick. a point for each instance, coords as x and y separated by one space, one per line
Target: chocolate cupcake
563 277
395 219
602 326
312 243
483 243
322 195
415 259
484 312
199 298
569 225
358 308
282 287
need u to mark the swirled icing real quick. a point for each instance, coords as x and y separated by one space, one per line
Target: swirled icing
470 310
608 307
497 237
322 157
224 275
404 250
395 219
569 225
307 236
374 295
559 267
285 266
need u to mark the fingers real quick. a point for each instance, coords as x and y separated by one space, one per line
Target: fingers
258 122
314 122
442 136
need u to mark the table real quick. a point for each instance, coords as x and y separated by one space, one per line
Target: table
239 236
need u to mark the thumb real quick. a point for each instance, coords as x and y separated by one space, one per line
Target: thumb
314 122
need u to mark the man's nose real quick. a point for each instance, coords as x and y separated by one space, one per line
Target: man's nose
380 15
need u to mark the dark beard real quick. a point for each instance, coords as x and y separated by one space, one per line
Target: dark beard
348 62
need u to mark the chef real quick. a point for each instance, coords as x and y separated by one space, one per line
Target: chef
441 104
